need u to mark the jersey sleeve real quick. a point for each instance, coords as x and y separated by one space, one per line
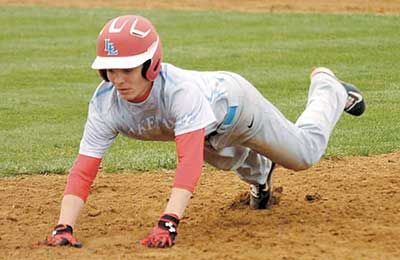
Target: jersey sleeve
191 109
97 136
190 153
81 176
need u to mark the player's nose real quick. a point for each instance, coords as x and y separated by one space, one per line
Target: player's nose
118 78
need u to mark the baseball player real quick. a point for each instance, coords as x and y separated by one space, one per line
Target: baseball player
217 116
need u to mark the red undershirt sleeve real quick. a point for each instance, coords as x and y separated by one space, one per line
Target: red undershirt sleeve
82 175
190 153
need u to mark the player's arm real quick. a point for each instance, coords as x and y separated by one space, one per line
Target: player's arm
97 137
80 179
190 153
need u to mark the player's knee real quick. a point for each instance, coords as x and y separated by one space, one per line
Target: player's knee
303 163
308 157
302 166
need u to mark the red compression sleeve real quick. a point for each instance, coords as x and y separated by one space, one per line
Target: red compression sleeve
190 151
81 176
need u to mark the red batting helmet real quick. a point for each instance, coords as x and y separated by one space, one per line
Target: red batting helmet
128 42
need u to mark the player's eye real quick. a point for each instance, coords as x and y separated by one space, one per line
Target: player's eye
127 70
110 70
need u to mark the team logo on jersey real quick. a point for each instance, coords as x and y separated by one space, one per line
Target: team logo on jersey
110 48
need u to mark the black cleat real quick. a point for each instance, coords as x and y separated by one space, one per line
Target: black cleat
355 104
261 194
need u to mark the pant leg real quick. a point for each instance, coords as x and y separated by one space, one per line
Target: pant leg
295 146
250 166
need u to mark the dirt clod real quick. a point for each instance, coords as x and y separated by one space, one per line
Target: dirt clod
313 197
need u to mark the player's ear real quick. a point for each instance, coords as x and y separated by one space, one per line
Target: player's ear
103 75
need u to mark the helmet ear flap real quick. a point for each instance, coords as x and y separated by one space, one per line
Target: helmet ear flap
155 64
103 75
145 68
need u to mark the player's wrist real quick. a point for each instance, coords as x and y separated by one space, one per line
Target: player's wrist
171 217
63 228
178 201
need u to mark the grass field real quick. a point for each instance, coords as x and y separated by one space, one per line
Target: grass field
46 80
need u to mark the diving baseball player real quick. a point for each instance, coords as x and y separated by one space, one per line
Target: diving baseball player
216 116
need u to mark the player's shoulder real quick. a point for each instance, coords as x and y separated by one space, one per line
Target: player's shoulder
104 96
175 76
177 79
103 89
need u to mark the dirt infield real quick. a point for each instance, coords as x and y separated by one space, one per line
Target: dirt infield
340 209
346 208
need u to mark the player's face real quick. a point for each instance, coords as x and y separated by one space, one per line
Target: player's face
129 82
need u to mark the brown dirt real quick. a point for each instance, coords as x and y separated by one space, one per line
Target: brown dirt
346 208
375 6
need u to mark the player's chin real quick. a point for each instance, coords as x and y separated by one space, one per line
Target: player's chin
128 96
131 98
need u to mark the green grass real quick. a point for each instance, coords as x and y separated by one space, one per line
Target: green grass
46 80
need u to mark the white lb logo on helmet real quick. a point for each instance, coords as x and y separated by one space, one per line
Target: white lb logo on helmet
133 31
110 48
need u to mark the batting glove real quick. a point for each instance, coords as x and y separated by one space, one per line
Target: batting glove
164 234
62 236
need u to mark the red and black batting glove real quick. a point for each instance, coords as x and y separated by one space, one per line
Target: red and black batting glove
164 234
62 236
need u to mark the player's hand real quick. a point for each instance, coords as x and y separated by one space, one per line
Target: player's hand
164 234
61 236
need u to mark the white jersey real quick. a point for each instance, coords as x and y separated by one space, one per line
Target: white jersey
248 132
180 101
